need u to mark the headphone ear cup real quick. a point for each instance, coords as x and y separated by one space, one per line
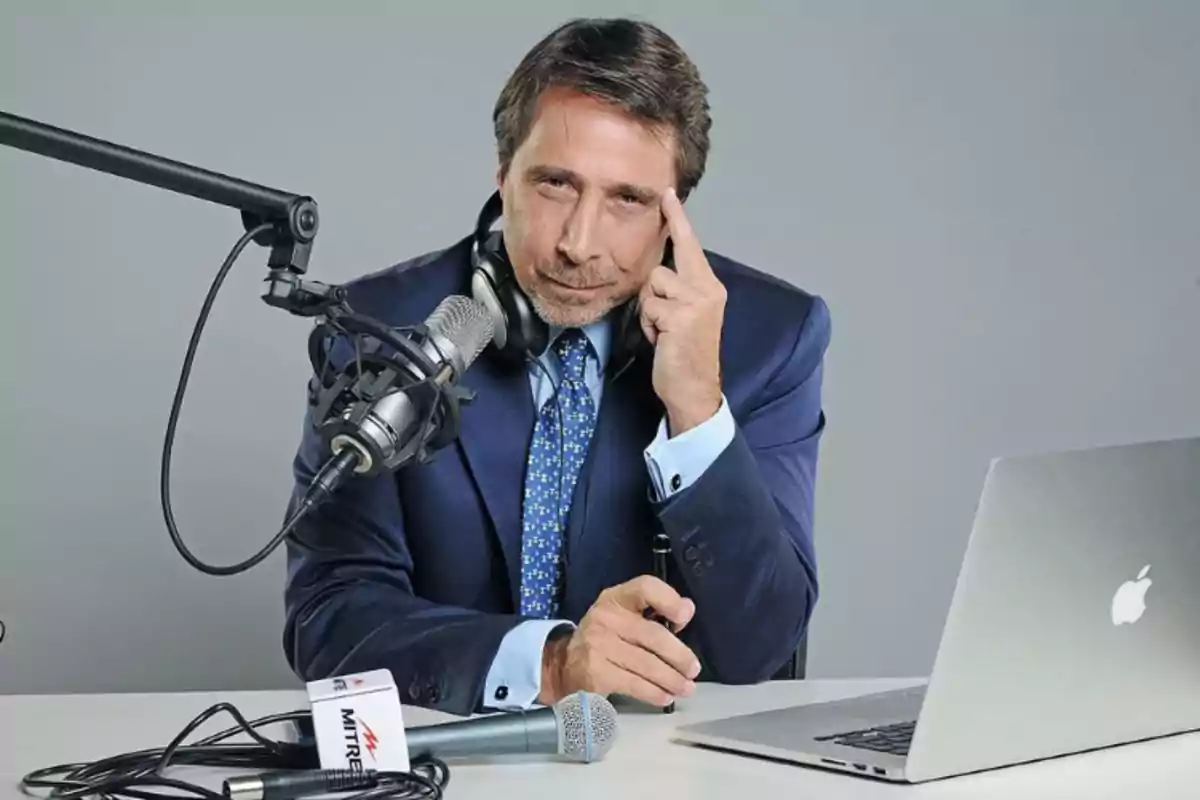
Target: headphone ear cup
527 327
519 332
484 291
529 335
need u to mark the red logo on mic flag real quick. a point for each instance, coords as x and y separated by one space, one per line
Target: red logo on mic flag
370 740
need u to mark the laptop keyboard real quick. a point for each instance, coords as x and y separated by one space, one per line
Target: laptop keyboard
893 739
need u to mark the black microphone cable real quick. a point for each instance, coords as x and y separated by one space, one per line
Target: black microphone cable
319 489
286 770
173 422
336 470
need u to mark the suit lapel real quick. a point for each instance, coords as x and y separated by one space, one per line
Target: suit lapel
494 436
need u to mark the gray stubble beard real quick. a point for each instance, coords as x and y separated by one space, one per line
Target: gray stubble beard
568 316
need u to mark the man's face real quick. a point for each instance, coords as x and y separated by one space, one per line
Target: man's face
582 222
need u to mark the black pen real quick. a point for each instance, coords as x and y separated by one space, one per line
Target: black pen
662 548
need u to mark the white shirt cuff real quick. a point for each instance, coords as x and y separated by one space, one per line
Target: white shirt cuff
515 677
675 464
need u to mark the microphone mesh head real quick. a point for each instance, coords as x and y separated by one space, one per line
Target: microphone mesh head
587 726
465 325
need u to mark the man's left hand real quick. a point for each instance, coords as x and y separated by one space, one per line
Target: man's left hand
681 314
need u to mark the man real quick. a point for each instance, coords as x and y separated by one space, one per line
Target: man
515 567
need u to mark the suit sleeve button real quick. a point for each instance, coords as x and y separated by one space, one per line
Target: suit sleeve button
676 482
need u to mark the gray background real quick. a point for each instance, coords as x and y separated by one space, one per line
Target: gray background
998 200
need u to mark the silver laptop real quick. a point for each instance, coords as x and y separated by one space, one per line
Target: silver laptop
1074 625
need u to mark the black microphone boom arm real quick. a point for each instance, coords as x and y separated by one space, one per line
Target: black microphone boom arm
285 222
393 402
292 218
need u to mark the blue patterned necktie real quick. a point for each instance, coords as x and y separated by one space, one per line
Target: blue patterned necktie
550 475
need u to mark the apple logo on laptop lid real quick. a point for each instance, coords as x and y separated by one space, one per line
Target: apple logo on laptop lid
1129 603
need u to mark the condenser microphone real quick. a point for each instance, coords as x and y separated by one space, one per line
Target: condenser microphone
580 727
458 331
383 413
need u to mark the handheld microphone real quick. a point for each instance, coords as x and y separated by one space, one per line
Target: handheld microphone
580 727
361 742
358 723
397 398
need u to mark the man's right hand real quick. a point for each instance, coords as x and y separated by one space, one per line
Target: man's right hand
616 650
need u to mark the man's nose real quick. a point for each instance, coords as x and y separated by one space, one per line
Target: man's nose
579 242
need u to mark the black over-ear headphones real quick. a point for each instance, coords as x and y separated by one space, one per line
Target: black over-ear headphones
520 334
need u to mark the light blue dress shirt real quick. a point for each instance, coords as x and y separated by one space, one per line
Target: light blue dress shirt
515 677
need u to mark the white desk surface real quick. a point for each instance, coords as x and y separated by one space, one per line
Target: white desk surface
42 730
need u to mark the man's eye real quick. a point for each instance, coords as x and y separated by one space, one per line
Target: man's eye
631 199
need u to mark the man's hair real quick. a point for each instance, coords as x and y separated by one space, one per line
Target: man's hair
632 65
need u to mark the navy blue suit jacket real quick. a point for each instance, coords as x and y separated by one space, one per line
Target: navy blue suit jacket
423 567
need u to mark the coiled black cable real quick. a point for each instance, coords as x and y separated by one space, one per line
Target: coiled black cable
173 422
141 775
